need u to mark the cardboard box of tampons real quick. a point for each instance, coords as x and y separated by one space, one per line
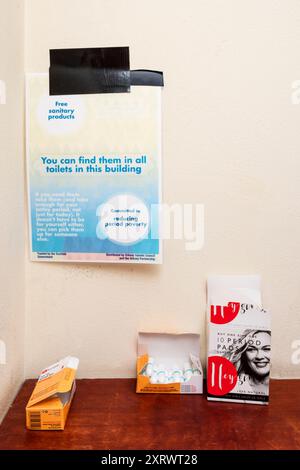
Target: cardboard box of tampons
49 404
174 363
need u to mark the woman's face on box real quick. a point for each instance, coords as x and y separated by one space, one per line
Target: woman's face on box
258 353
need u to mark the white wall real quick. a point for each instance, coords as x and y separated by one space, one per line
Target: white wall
231 141
11 203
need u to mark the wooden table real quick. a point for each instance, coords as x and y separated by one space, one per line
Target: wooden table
108 414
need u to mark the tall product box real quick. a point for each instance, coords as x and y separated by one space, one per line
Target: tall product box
49 404
239 341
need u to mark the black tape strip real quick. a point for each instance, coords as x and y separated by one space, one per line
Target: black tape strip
96 70
91 70
146 78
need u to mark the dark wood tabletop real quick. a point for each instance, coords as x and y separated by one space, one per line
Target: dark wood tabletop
108 414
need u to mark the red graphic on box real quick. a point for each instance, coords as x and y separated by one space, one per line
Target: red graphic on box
222 376
224 314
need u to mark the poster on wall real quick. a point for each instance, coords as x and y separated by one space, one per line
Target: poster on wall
94 174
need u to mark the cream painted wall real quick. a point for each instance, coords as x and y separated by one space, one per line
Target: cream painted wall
231 142
11 203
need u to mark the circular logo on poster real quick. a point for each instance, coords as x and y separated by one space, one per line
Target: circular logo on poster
60 114
123 219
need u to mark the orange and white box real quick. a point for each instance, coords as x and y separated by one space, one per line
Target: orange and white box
169 363
49 404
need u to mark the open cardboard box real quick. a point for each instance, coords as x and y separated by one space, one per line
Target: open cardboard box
169 349
50 401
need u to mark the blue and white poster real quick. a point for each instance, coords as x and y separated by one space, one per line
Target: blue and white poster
94 174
